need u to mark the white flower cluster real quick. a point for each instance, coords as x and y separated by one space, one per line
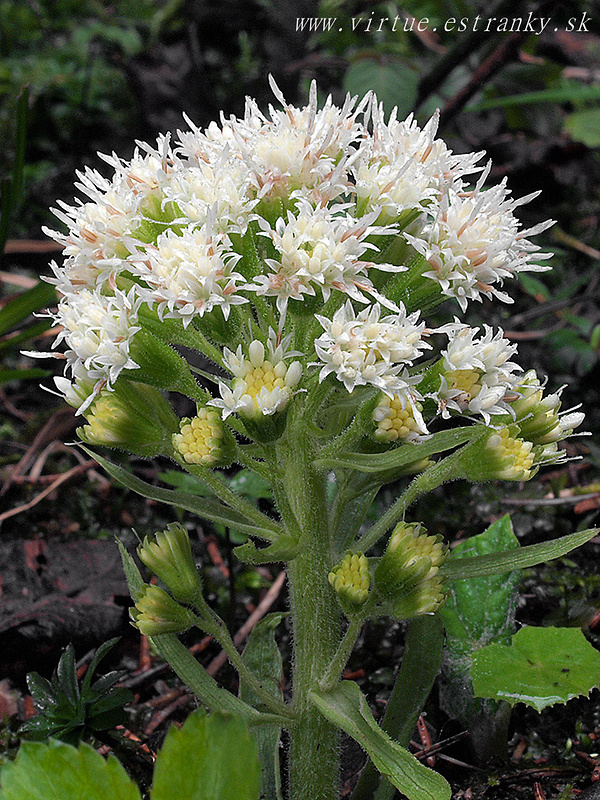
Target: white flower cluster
363 349
251 233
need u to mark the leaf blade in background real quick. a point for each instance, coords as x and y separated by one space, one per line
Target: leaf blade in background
543 666
263 658
57 771
394 82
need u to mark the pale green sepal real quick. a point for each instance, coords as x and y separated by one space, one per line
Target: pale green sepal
263 658
347 707
58 771
507 560
208 508
541 667
284 549
403 454
209 758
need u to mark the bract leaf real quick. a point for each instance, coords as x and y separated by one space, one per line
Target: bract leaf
403 454
347 707
208 508
508 560
209 758
57 771
543 666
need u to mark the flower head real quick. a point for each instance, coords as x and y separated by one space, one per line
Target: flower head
351 581
263 383
367 349
200 439
474 242
476 371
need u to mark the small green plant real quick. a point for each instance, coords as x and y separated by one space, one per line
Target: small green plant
70 711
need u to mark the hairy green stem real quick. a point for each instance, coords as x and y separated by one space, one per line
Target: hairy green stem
339 661
217 628
314 742
271 529
427 481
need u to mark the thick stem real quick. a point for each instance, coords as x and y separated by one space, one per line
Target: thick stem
314 742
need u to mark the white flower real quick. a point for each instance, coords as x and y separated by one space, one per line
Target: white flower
97 330
403 167
263 383
189 273
477 373
364 349
319 249
474 242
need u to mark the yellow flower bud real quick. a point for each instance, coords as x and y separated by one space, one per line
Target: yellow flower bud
351 581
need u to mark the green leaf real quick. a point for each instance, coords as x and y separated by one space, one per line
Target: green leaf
394 83
204 507
402 455
543 666
481 609
347 707
24 304
584 126
98 656
508 560
57 771
67 675
209 758
263 658
478 611
248 483
572 92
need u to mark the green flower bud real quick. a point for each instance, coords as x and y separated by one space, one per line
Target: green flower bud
538 417
156 612
134 417
169 557
410 563
397 422
351 581
426 598
160 365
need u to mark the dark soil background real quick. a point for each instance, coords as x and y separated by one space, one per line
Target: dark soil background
100 76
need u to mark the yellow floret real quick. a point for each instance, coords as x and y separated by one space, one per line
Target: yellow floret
397 422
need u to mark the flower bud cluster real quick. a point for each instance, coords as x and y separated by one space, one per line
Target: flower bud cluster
398 418
407 576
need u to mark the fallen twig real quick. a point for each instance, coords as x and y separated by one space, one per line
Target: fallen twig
78 470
